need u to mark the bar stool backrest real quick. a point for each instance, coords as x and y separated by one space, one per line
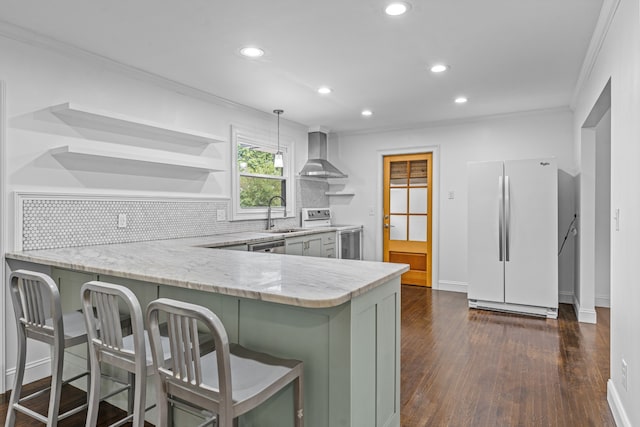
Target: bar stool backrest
36 303
101 303
107 319
182 374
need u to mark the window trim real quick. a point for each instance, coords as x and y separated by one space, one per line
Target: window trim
262 140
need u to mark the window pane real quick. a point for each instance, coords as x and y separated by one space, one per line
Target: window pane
256 192
418 200
398 225
398 200
256 160
418 172
398 174
418 228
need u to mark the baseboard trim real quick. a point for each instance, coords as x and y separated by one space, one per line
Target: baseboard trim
615 404
452 286
548 312
565 297
33 371
603 301
583 315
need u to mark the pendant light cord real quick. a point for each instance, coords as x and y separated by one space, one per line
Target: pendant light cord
278 112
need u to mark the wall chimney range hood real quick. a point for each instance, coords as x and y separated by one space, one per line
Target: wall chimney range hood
317 165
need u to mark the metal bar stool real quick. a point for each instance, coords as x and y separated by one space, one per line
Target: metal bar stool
109 344
225 383
36 304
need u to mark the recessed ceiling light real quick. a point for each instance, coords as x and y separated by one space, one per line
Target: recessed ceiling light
251 52
324 90
461 100
367 113
439 68
396 8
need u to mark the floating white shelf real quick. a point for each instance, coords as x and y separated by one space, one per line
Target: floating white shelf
132 125
339 193
143 156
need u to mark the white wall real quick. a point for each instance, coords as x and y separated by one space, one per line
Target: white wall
618 60
585 297
531 135
603 212
39 77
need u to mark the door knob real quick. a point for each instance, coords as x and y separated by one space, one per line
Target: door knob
386 226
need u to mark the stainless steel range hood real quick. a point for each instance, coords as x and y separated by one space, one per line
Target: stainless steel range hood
317 165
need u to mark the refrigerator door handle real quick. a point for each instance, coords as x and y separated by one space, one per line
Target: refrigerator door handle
507 210
500 217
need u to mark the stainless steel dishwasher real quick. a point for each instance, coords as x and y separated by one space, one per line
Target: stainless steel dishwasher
273 246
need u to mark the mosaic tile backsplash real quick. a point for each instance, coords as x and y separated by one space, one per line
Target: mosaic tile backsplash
66 221
58 223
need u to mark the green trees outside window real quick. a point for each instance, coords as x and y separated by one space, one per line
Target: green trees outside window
259 179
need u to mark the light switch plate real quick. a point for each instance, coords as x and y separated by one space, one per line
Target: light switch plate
221 215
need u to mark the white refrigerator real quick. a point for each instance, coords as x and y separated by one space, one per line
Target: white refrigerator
513 236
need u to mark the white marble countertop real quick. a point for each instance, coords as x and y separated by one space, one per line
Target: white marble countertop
191 263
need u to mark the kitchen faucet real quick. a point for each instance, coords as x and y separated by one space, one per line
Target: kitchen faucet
284 205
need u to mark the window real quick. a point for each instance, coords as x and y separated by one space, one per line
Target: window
256 180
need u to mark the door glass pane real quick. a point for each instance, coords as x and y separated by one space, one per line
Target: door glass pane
398 174
418 228
418 200
398 200
398 227
418 172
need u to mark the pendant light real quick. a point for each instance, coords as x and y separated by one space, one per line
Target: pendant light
278 162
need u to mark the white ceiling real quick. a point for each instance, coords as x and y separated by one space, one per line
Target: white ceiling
505 55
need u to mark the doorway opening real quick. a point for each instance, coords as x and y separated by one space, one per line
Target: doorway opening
593 288
408 212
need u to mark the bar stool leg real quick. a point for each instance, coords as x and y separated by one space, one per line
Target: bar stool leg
298 401
163 407
56 383
94 389
17 386
140 398
131 393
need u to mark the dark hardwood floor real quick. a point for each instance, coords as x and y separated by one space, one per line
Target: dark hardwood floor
71 397
464 367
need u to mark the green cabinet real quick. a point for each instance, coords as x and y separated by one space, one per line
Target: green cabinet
351 352
318 245
329 245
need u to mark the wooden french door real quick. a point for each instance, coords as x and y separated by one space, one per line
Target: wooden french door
407 214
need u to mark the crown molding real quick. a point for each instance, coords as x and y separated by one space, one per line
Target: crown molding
607 13
32 38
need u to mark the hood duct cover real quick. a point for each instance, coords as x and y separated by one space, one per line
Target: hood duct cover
318 166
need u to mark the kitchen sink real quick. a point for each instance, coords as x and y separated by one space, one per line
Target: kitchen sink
284 230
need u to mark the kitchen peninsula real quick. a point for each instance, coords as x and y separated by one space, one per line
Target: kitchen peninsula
340 317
